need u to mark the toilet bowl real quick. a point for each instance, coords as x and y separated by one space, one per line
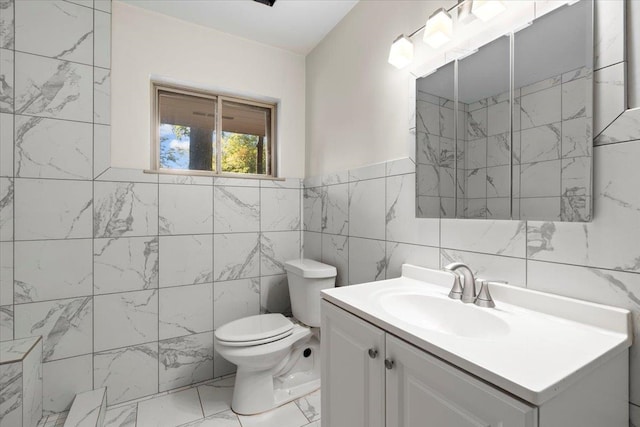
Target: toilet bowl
278 358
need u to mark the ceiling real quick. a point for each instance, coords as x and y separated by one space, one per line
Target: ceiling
294 25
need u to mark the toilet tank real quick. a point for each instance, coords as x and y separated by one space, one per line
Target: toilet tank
306 279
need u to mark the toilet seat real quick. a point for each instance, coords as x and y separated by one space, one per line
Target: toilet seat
254 330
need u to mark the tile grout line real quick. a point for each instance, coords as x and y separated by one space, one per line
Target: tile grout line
159 281
13 183
93 207
213 286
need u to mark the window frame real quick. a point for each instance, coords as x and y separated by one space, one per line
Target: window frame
219 98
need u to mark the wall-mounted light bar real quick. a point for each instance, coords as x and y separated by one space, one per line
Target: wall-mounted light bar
438 30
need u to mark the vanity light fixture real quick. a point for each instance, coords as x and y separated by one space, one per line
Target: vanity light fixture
486 10
401 53
438 29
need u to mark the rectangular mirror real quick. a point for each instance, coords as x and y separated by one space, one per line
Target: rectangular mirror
484 118
553 69
518 113
435 144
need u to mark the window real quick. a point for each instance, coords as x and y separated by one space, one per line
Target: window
212 133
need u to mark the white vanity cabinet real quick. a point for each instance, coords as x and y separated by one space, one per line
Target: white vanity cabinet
401 353
399 385
422 390
353 383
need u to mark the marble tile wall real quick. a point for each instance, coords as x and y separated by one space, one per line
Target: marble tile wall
435 155
125 275
21 382
551 162
595 261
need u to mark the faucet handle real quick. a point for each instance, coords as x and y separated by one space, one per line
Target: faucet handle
484 297
456 290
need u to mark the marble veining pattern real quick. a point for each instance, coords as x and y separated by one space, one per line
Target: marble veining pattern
7 81
335 251
625 128
6 145
312 208
7 32
52 209
366 208
133 314
125 264
280 210
401 222
128 373
276 249
52 269
607 241
340 177
236 256
32 385
72 24
609 95
12 393
335 210
185 209
63 379
47 87
175 321
367 260
6 208
235 299
101 96
185 360
609 33
186 260
65 326
236 209
6 322
121 416
49 148
125 209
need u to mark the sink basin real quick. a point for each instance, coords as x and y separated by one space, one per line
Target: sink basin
444 315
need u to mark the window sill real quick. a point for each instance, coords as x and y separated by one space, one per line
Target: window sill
211 174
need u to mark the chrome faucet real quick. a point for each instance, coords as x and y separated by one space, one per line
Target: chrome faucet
468 292
484 297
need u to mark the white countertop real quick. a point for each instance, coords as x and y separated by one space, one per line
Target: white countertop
552 341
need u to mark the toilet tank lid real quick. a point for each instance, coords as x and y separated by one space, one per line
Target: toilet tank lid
310 269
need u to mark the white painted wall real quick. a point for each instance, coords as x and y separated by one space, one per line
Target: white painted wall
147 44
357 103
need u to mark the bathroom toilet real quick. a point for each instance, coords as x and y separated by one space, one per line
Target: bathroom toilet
278 358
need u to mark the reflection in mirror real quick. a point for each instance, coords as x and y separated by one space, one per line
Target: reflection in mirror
484 135
553 68
435 144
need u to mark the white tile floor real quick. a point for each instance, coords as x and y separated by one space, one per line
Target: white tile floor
204 405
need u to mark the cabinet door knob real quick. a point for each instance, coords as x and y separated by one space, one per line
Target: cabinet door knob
388 363
373 353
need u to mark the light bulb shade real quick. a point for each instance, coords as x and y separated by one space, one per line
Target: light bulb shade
401 53
486 10
439 29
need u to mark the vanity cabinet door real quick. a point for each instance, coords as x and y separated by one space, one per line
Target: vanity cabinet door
352 370
423 391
